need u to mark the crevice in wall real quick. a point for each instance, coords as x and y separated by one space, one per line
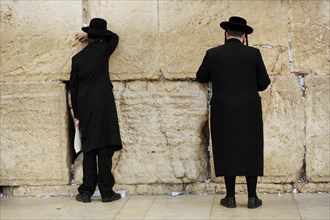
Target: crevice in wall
8 191
85 12
158 20
160 79
1 192
206 142
290 46
303 174
71 129
301 82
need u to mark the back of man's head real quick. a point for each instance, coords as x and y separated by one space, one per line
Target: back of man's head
235 33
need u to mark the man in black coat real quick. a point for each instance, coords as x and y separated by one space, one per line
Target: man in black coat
237 73
95 111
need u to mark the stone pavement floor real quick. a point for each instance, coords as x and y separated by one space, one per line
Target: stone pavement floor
275 206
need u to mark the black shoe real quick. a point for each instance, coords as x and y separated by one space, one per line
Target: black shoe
115 196
83 198
229 202
254 203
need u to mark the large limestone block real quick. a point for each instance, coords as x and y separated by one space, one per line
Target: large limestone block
317 129
37 39
310 36
136 23
162 127
275 59
323 187
189 28
283 114
284 121
33 138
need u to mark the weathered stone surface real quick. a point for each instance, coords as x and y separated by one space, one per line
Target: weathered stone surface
161 126
275 59
37 39
165 46
310 36
33 138
283 110
189 28
162 122
312 187
186 30
215 188
136 23
317 128
201 188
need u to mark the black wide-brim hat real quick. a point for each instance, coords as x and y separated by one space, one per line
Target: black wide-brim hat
236 24
98 27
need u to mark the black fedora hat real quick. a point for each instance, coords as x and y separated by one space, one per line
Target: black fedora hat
98 27
236 24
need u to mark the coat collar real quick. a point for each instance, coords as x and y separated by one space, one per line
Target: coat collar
233 40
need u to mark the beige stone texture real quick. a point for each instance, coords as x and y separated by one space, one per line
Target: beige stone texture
174 36
162 110
40 191
161 126
283 113
200 188
37 39
33 138
189 28
317 128
136 22
309 23
312 187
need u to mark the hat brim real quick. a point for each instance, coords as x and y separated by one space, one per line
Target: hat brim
236 27
96 32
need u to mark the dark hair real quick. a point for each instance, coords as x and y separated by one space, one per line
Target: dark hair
235 33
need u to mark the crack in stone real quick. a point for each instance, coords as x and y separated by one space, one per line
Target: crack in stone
290 46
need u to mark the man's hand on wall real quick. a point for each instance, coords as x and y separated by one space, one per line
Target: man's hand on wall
81 36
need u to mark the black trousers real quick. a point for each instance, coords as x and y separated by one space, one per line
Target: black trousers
97 165
251 182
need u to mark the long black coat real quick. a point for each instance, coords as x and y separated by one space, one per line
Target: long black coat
92 96
237 73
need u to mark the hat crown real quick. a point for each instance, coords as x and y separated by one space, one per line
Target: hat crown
236 23
237 20
97 27
98 24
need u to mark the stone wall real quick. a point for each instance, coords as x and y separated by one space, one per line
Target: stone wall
162 110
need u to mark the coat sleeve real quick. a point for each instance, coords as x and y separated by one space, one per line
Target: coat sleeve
203 74
112 42
74 80
262 77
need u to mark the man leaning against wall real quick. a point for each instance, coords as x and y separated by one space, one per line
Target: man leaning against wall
95 111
